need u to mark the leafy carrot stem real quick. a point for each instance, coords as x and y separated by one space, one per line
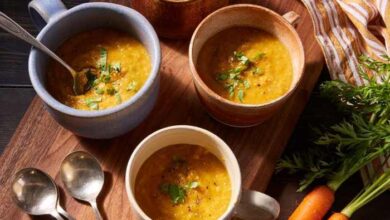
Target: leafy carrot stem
379 186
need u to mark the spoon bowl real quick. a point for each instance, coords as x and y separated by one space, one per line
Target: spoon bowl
83 177
35 192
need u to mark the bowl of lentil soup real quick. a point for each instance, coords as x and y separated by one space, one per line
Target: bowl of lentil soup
122 55
186 172
246 61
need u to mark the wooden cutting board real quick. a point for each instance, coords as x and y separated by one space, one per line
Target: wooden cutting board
40 142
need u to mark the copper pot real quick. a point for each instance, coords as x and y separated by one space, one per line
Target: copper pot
176 19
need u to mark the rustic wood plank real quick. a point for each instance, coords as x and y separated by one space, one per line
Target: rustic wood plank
14 52
40 142
14 102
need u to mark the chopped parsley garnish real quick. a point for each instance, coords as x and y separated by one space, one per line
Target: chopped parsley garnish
103 60
118 98
240 95
257 71
132 86
105 77
93 103
115 67
176 192
100 79
105 68
222 76
99 91
259 56
232 78
111 91
247 84
192 185
241 57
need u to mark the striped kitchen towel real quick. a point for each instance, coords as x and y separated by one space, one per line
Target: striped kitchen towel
346 29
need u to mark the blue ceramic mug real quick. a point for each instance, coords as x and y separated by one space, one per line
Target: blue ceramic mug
58 24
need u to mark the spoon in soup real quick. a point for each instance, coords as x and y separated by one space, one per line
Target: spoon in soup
79 78
83 178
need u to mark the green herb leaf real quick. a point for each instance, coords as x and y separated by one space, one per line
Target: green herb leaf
238 54
174 191
111 91
105 77
99 91
132 86
94 99
230 87
118 98
247 84
192 185
259 55
102 63
115 67
240 95
233 77
93 103
222 76
241 57
237 70
257 71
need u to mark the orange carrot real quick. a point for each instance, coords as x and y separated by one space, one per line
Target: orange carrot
315 204
338 216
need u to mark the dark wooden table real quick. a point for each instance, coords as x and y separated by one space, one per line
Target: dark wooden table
16 94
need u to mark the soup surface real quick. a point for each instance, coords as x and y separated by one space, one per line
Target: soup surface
246 65
116 65
183 182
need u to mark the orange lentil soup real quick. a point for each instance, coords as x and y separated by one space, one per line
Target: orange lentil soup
246 65
116 66
183 182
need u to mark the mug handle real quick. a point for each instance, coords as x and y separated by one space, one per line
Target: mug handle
256 205
43 11
292 18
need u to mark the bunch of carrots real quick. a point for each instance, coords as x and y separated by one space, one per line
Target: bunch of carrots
346 147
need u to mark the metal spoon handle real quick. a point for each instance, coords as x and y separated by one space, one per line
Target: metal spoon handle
56 215
96 210
13 28
64 213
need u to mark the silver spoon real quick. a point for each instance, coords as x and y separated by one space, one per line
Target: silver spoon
79 78
36 193
83 178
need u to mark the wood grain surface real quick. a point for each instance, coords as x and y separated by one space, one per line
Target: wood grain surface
40 142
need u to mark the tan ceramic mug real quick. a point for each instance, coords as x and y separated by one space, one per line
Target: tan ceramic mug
246 15
244 204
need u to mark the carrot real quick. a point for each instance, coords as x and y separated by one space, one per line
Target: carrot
338 216
315 204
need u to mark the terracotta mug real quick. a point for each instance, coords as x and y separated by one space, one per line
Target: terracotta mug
226 111
176 19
